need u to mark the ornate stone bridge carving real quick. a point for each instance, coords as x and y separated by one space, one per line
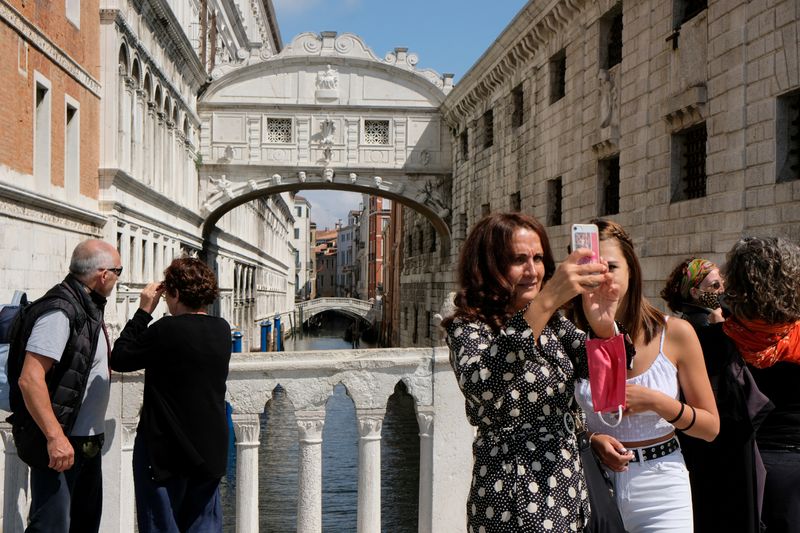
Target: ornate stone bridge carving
326 113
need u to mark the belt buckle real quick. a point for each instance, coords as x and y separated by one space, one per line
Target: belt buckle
90 448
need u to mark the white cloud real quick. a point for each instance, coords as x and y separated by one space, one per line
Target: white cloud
327 207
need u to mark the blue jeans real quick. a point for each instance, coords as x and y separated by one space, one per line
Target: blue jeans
69 501
177 505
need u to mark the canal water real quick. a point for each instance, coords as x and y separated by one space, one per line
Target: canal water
278 453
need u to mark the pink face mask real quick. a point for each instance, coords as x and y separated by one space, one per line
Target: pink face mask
607 375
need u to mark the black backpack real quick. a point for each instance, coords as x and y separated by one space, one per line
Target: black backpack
8 314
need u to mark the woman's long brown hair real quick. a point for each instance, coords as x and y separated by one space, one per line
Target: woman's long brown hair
485 291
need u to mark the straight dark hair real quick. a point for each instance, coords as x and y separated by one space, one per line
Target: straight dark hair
485 291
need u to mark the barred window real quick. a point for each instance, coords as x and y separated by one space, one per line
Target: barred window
376 132
279 130
488 129
464 139
788 138
609 183
689 163
554 196
685 10
611 37
558 76
518 113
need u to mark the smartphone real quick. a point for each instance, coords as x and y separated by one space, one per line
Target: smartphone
586 236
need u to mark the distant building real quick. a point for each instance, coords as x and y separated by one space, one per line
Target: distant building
392 268
325 252
377 219
303 247
347 248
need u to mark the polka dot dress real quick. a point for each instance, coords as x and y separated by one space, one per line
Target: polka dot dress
527 475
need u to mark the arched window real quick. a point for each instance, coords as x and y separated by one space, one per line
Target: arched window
135 74
123 59
148 86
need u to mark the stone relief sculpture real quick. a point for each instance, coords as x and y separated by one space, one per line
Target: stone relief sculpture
431 197
221 184
327 83
328 175
606 90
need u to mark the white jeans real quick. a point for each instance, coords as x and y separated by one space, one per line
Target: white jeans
654 496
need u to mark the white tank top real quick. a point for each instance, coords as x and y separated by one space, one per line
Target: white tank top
662 375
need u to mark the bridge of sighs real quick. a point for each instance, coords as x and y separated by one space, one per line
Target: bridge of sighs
326 113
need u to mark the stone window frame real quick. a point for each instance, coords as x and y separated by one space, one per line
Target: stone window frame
364 134
610 34
72 10
72 146
787 137
555 201
42 129
608 181
682 168
279 131
558 75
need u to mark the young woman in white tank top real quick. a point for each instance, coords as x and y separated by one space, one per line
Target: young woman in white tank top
642 452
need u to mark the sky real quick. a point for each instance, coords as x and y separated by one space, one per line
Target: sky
447 36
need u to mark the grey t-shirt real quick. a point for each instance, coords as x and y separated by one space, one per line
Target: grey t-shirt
48 338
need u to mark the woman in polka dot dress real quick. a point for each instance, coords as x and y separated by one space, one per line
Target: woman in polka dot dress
516 361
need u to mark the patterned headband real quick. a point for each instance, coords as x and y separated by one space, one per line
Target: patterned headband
694 273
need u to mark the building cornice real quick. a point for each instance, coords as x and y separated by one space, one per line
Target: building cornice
51 206
522 40
272 21
43 43
115 178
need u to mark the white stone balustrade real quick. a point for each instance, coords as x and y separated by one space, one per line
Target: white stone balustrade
309 379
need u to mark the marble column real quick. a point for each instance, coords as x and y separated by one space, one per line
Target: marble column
247 428
369 469
15 487
425 421
309 483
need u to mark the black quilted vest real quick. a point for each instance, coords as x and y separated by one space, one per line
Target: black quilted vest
66 380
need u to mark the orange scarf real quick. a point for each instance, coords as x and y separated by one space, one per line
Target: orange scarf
761 344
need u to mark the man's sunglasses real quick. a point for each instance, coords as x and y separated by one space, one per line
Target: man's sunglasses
117 271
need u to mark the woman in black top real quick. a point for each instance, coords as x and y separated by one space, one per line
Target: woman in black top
180 451
762 279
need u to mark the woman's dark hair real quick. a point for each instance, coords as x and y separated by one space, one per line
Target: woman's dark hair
638 315
762 280
486 256
193 280
671 293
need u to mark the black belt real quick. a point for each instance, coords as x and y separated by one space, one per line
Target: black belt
89 446
655 451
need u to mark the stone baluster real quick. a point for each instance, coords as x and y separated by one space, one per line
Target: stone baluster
127 511
15 487
369 470
309 484
247 428
425 421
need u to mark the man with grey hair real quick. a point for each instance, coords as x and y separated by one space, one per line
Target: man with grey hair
59 350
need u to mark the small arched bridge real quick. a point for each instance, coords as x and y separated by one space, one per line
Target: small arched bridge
366 310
